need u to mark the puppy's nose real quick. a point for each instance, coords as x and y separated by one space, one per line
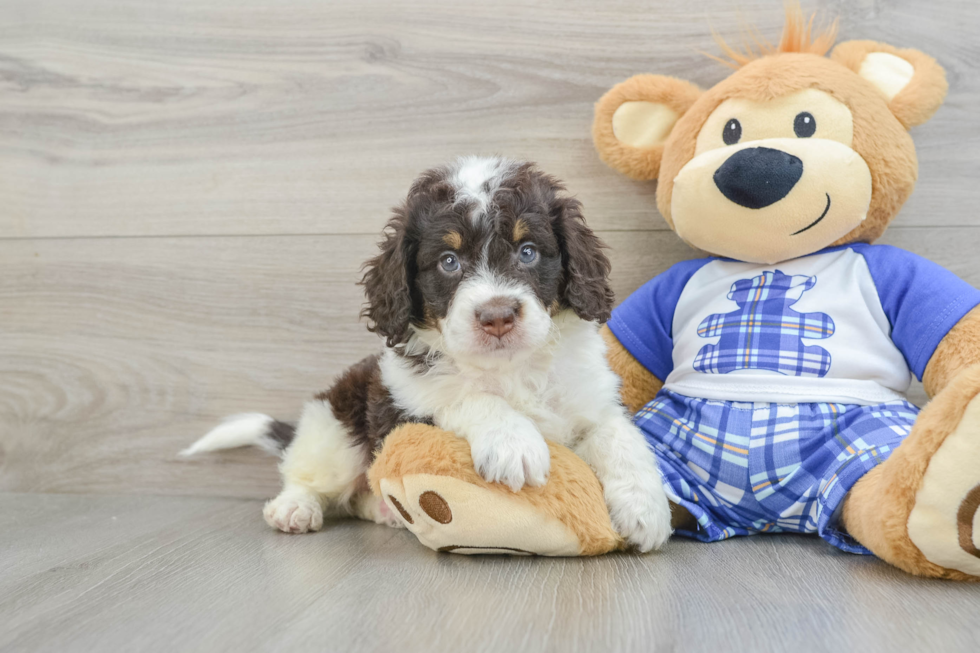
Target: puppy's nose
758 176
498 315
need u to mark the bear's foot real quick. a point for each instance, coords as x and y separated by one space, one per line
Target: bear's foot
426 476
478 520
919 509
943 519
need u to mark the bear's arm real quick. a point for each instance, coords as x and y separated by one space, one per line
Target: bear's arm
644 322
934 315
959 349
639 385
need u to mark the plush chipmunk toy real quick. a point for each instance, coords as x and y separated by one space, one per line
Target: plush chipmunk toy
769 376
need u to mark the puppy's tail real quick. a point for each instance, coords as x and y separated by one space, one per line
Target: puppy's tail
245 430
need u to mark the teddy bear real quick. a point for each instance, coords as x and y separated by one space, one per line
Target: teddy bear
769 375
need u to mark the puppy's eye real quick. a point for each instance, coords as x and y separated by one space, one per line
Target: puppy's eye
732 133
804 125
528 254
449 263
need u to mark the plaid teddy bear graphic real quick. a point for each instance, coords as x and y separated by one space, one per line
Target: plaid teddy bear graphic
765 333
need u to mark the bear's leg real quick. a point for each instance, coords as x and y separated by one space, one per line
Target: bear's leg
918 509
426 476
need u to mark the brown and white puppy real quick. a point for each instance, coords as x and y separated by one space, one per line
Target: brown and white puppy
489 290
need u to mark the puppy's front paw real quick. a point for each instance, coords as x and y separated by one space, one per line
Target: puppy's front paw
640 512
293 512
514 455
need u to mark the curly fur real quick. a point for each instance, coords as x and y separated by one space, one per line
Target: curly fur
585 287
387 283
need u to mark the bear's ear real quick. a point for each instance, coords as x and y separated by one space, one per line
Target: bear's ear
634 118
912 81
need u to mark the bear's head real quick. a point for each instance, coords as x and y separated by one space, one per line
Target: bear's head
792 153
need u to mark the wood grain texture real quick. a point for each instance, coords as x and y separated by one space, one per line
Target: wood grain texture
187 191
124 117
188 574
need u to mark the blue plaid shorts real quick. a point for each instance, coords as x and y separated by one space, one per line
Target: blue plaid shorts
744 468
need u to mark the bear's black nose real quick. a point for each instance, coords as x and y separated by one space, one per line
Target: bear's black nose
758 176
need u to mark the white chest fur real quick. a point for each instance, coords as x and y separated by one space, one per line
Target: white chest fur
563 388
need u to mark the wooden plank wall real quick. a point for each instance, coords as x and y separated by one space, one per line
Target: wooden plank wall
187 190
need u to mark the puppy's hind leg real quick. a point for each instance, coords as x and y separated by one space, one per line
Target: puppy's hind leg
369 507
320 467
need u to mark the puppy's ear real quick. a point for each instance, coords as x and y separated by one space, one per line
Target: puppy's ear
585 285
634 118
387 283
912 82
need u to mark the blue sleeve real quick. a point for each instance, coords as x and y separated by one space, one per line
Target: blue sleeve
921 299
642 323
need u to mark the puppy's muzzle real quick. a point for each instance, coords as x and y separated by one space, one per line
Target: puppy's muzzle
758 176
498 316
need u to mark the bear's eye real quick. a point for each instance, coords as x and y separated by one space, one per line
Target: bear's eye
732 133
804 125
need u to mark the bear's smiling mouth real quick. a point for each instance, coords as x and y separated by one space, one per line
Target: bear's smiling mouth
817 221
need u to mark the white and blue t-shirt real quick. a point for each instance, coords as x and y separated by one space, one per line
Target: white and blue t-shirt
848 324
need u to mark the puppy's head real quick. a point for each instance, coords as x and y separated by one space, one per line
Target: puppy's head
481 257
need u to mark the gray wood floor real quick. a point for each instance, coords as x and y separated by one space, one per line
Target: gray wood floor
187 190
203 574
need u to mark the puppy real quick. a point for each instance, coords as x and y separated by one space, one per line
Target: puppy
489 290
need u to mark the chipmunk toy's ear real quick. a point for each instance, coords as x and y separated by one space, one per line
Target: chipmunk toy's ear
634 118
912 81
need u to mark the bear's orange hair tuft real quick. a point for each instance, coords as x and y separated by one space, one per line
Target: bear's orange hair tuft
798 36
